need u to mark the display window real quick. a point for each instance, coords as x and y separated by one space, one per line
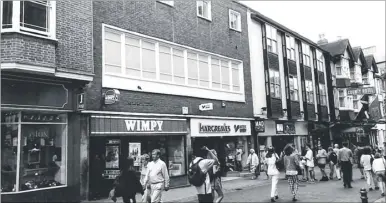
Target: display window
33 151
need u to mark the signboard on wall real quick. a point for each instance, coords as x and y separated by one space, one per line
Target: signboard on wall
260 126
213 127
287 128
361 91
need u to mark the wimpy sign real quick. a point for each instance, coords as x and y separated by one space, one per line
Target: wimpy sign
143 125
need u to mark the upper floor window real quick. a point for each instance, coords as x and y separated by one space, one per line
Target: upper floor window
33 17
170 3
323 94
204 9
294 90
234 20
345 101
271 34
274 80
320 60
356 101
309 91
365 78
306 54
343 68
290 44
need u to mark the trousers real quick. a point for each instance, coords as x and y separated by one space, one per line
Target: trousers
347 172
275 180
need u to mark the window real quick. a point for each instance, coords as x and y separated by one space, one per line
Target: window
320 60
160 61
170 3
294 91
309 92
306 55
36 17
271 35
290 44
274 79
352 74
342 98
356 102
323 94
204 9
43 154
234 20
365 78
343 68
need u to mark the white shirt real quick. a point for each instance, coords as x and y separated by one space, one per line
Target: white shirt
205 165
253 159
379 164
239 152
271 162
157 172
365 161
310 158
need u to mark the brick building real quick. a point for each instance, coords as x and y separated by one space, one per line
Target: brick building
46 60
172 75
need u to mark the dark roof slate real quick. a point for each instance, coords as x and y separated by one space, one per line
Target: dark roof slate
370 61
336 48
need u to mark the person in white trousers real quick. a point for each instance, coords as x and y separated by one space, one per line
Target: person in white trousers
272 172
379 167
337 166
366 163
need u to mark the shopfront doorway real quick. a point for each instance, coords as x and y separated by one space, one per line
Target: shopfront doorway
279 142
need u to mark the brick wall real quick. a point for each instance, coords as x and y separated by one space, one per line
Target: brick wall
181 25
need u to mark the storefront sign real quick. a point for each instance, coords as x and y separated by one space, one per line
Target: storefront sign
211 127
206 107
80 102
125 125
40 117
111 96
285 128
361 91
259 126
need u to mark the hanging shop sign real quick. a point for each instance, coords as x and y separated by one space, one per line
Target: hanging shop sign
111 96
209 127
206 107
101 125
80 104
287 128
361 91
375 110
260 126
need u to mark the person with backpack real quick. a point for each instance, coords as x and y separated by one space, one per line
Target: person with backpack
366 161
253 162
198 173
332 160
379 168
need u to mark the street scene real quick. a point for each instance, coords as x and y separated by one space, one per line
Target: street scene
193 101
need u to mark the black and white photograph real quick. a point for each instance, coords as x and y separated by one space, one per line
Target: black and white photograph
193 101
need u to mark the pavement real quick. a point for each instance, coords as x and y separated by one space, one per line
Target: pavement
243 189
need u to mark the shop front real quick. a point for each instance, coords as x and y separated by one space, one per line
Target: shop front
226 137
280 133
113 139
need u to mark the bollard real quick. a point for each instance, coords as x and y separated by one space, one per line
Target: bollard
364 198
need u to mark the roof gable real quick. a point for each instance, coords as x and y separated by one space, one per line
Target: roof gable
338 48
370 62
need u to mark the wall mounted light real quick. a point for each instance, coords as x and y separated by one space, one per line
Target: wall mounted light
223 104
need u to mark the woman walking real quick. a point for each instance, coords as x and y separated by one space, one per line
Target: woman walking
366 162
270 161
379 168
291 164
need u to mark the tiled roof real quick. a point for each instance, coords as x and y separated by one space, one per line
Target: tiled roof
357 51
370 61
336 48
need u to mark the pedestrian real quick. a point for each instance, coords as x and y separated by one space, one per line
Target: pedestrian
199 176
322 161
216 179
239 154
332 160
345 158
366 161
127 185
379 168
253 162
384 150
310 163
358 151
145 161
157 177
270 160
263 161
291 164
338 170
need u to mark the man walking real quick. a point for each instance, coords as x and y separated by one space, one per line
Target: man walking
157 177
345 158
337 166
253 162
239 153
310 163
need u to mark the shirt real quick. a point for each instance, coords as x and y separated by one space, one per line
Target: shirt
345 154
253 159
271 163
365 161
157 172
321 153
310 158
290 163
336 150
205 166
239 152
379 164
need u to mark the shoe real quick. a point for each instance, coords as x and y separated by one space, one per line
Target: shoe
349 186
371 189
294 199
276 197
339 178
273 200
344 185
114 199
376 188
383 194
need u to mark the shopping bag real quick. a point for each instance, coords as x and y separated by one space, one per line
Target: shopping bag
146 196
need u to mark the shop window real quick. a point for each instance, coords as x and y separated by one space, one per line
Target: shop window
176 156
43 140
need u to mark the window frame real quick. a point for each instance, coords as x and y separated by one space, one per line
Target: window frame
209 11
275 74
295 89
310 92
270 40
306 52
238 20
290 47
320 61
169 3
16 21
323 94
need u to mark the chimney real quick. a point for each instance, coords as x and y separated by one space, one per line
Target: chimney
339 38
322 40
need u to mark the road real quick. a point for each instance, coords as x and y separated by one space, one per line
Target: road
330 191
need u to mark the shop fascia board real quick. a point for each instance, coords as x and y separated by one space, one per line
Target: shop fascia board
163 115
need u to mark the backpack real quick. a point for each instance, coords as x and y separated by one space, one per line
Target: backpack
333 157
195 175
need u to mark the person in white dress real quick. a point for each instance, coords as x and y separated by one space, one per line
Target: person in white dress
273 173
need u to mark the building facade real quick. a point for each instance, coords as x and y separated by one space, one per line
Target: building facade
171 75
46 61
288 85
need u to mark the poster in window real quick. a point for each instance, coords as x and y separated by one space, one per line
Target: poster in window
135 152
175 169
112 156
